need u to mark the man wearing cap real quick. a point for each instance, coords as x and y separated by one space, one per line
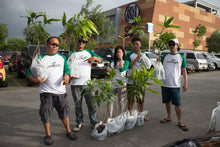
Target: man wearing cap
174 64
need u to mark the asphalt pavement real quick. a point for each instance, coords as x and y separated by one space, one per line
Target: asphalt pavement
20 124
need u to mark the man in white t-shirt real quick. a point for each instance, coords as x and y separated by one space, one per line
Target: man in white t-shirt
52 90
83 58
174 64
134 57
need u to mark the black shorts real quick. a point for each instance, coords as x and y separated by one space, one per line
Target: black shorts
49 101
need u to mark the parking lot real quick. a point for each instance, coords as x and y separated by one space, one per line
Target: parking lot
20 123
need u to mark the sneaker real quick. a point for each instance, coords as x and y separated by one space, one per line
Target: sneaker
48 140
77 127
71 136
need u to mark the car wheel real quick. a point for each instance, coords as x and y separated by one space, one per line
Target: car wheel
5 83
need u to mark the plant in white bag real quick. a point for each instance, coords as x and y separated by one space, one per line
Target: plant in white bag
140 79
102 92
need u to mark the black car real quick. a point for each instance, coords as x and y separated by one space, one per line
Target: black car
63 52
99 70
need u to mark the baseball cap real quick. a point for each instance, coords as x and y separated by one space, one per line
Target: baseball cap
175 41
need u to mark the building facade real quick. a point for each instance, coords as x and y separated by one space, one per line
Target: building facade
185 16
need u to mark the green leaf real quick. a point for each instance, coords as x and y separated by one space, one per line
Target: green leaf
157 81
152 91
64 19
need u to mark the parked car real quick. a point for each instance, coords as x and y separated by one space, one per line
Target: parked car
3 74
213 59
211 66
6 56
217 55
190 68
100 69
25 60
63 52
153 57
13 63
105 53
196 58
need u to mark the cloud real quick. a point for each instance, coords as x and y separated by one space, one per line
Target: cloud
11 10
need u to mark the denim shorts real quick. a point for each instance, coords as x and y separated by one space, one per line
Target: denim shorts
49 101
171 95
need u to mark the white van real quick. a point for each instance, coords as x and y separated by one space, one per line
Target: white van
195 58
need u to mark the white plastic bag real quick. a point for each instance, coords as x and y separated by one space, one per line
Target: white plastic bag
37 67
131 119
159 72
116 125
140 118
145 61
214 124
99 136
74 68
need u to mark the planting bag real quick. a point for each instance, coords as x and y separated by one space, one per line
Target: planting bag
140 118
131 119
99 136
74 68
159 72
37 67
116 125
145 61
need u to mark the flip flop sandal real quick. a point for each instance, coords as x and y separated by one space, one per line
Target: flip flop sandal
183 127
165 120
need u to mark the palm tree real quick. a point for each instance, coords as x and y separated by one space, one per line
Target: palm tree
161 42
137 26
81 27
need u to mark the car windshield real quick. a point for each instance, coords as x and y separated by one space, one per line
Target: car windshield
200 56
31 50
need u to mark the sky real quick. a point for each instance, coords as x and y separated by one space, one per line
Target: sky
11 10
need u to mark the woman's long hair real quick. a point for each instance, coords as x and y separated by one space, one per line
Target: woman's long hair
115 57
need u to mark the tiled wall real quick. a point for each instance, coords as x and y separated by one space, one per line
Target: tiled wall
185 16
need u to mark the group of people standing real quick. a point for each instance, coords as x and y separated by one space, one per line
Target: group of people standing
53 91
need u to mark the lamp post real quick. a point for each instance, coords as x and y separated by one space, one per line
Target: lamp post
123 40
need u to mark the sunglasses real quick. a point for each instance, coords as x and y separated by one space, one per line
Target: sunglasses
171 44
83 41
52 44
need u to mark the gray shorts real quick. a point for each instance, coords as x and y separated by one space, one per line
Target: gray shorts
49 101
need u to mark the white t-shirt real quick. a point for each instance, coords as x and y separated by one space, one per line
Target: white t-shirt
84 66
120 73
130 56
172 64
57 67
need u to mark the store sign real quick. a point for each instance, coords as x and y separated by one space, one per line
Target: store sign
150 27
131 11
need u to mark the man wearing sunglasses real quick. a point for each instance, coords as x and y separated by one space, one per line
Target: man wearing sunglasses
83 58
52 90
174 64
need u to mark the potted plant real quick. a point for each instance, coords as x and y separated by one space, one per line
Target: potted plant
102 92
141 82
